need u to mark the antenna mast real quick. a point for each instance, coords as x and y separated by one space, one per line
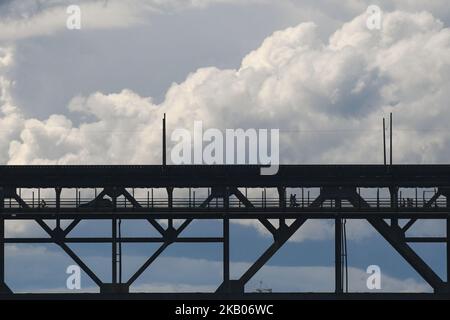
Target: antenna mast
390 140
164 160
384 140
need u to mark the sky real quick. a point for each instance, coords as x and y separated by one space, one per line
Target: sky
312 69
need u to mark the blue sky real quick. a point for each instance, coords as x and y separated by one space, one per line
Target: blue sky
49 263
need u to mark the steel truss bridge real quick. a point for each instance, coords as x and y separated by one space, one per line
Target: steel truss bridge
339 199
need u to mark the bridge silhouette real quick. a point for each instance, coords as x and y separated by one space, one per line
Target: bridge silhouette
114 200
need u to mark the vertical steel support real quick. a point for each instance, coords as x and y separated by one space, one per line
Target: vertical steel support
393 191
58 206
2 239
282 197
226 241
2 250
226 254
114 201
169 197
448 251
3 287
114 250
384 140
338 255
447 198
164 160
390 139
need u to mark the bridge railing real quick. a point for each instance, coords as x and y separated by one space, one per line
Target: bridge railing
183 202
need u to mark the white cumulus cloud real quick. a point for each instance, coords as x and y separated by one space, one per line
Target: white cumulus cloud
327 98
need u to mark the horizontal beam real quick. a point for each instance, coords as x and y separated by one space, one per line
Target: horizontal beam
233 213
109 240
426 239
227 296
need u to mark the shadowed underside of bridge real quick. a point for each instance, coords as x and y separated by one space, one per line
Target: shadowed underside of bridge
339 198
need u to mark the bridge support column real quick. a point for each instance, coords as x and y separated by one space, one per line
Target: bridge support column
281 236
170 197
338 241
114 250
58 197
58 206
3 287
338 194
227 285
448 250
446 193
338 255
114 288
226 254
231 287
394 204
282 197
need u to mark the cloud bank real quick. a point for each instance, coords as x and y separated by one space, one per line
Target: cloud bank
182 274
327 98
33 18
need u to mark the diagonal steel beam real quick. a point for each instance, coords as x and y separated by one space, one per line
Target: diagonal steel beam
409 224
183 226
147 263
247 203
44 226
241 197
93 202
20 201
157 253
284 235
357 201
157 226
318 201
207 201
398 243
130 198
71 253
80 263
433 199
71 226
269 226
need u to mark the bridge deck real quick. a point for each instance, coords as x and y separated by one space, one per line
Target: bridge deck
220 175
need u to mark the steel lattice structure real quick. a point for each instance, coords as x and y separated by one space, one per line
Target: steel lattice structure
338 199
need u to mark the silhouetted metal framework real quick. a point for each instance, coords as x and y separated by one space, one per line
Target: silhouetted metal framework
339 199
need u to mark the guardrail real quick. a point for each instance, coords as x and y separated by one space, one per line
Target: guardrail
216 203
